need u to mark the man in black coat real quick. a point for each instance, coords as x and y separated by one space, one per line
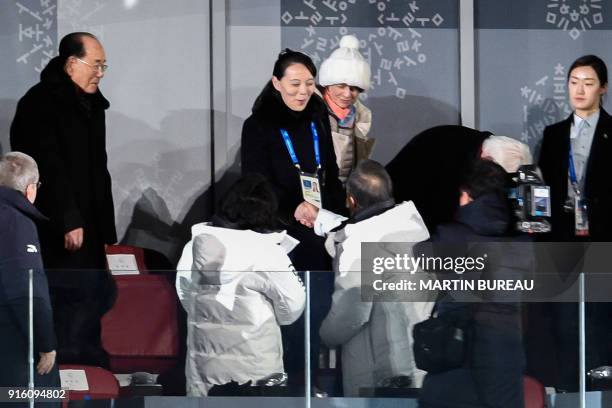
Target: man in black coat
19 253
60 122
492 373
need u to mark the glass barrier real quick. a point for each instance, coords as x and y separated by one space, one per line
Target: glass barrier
370 333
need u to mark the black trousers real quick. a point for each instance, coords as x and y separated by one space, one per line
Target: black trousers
492 375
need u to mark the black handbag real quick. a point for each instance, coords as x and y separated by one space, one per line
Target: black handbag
440 342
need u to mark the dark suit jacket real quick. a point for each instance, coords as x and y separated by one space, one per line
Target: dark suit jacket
554 163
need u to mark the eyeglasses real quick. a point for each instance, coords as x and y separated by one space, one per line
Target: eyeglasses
98 67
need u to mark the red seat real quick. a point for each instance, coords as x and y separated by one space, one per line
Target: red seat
535 396
141 332
102 383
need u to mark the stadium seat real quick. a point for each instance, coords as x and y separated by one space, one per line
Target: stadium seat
141 331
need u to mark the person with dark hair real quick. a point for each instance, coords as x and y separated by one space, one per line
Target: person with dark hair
486 177
238 286
370 185
492 371
250 204
20 253
575 160
287 139
343 76
374 336
60 122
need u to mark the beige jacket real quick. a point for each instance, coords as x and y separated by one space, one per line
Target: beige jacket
352 145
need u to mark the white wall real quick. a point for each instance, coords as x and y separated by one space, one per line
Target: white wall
158 132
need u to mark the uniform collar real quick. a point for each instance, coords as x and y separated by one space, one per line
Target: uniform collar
19 202
591 120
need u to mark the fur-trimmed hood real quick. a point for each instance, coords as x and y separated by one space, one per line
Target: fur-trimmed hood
270 108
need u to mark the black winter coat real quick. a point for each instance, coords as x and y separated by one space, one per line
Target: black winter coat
430 167
264 151
493 372
20 252
554 163
63 129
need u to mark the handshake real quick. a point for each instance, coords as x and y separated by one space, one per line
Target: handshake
306 214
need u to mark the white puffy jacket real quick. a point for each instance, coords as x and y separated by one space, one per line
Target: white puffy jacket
237 288
376 337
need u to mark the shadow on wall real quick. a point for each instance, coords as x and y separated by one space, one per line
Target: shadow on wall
7 112
396 121
203 207
165 181
163 176
538 117
531 131
154 172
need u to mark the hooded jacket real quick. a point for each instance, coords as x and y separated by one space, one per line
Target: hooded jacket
238 287
492 375
63 129
376 337
264 151
483 225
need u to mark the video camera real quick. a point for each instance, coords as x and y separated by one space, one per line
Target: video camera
531 200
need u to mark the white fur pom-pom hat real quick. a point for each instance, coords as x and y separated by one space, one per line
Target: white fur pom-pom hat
346 66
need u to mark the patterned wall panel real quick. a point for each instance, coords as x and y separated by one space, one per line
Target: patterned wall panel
28 40
412 48
524 49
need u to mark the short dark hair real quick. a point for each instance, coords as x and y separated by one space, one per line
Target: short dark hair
71 45
369 183
485 177
250 203
594 62
288 57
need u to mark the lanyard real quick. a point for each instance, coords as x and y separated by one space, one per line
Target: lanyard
572 168
289 144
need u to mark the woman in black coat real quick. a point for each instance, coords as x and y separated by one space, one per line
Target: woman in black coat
288 102
586 134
